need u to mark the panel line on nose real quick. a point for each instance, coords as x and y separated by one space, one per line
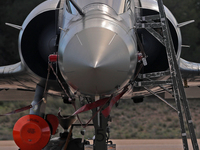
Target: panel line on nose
112 39
79 39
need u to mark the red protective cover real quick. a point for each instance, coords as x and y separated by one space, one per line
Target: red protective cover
53 121
31 132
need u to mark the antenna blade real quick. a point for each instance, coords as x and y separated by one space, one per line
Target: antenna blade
184 23
186 46
14 26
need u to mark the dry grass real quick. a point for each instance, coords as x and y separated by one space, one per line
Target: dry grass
151 119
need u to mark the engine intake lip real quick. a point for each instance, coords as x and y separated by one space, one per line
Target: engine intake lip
30 43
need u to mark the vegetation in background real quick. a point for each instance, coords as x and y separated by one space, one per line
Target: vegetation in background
185 10
151 119
12 11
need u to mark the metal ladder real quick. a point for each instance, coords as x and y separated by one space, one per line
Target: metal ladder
176 79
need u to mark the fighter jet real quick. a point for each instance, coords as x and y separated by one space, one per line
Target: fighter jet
98 50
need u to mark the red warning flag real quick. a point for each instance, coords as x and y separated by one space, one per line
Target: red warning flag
93 105
107 110
102 102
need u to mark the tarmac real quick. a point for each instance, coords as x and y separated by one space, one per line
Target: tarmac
128 144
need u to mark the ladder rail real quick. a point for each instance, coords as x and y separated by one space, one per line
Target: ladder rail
179 92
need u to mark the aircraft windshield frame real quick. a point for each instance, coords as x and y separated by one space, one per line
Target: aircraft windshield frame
120 6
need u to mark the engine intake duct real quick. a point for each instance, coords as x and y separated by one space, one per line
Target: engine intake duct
155 51
39 41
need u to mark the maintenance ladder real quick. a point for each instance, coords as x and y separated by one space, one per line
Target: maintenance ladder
176 79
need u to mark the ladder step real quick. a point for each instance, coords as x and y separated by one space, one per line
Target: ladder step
154 74
152 83
148 25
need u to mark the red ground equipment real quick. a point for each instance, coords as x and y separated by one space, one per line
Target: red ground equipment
32 132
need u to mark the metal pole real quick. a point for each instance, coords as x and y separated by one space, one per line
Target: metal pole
39 107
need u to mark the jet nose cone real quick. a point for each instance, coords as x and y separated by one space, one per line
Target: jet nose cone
95 61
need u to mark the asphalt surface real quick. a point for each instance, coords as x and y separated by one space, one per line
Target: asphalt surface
155 144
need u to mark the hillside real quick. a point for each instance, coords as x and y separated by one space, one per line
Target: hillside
151 119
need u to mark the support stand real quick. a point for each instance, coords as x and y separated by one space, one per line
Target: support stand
176 79
39 107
